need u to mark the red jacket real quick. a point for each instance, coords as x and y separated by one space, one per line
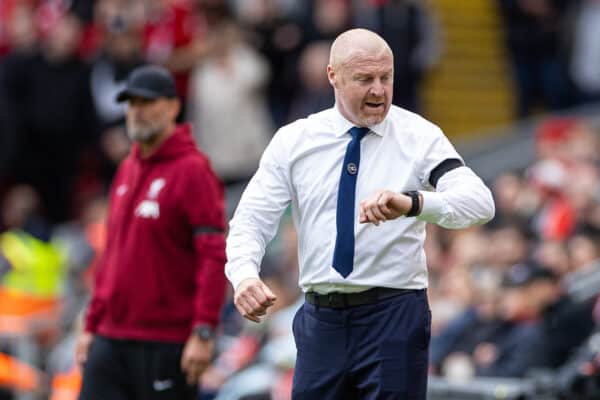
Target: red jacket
163 268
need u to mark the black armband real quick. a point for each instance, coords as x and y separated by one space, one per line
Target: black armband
445 166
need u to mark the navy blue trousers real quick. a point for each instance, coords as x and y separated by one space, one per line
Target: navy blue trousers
376 351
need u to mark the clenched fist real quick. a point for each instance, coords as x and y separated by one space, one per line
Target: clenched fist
252 298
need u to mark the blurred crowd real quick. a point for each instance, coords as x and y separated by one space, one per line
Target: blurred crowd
518 294
521 295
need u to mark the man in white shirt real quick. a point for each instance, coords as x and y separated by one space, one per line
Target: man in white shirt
363 332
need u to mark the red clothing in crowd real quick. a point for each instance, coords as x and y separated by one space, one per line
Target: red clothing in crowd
162 270
175 28
5 10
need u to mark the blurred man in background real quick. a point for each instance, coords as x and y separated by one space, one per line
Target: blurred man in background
52 114
149 331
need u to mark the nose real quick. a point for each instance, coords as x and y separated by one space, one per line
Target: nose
377 90
134 112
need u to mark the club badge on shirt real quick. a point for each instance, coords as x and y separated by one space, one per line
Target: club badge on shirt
149 208
352 168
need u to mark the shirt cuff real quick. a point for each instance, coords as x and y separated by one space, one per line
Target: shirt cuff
238 273
433 206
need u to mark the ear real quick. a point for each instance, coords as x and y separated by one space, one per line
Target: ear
176 108
332 76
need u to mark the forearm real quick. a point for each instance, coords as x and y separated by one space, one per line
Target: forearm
185 58
244 255
255 222
210 279
250 233
96 306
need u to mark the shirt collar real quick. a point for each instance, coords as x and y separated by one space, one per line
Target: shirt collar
341 125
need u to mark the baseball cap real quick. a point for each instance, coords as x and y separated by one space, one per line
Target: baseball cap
520 275
148 82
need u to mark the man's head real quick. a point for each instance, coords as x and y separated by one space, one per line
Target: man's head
63 39
153 103
361 71
528 289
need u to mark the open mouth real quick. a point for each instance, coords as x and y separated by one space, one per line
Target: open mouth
373 105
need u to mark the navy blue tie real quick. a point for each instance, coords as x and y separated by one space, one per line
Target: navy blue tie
343 255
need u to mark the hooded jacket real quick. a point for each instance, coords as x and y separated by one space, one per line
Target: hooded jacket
162 271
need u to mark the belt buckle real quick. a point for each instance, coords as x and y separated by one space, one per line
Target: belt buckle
335 300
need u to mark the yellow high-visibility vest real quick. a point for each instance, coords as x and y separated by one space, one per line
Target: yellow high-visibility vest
37 266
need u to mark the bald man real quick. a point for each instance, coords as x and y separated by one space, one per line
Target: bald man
363 178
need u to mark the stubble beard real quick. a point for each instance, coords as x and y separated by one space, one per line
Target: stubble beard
371 120
367 118
141 133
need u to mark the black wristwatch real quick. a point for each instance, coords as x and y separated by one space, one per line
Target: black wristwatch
415 208
204 332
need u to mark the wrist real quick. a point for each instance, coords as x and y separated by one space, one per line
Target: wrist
204 332
238 273
416 204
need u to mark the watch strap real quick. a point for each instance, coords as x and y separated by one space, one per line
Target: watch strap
416 203
204 332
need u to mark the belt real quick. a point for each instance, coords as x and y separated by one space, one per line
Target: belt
345 300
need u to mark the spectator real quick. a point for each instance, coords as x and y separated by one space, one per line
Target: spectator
555 217
586 50
328 18
583 282
17 42
552 254
510 246
175 36
35 265
412 32
314 92
512 208
508 354
533 38
17 31
565 323
279 38
552 138
41 87
583 251
455 344
121 53
233 78
21 210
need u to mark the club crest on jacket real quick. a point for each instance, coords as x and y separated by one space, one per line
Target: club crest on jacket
150 208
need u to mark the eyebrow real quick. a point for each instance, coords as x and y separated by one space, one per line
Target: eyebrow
367 74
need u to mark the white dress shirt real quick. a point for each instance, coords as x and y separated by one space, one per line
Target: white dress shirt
302 166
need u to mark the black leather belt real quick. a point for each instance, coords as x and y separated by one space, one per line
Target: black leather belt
345 300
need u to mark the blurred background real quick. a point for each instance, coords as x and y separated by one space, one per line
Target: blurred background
515 84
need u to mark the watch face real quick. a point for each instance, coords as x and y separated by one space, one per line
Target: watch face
204 332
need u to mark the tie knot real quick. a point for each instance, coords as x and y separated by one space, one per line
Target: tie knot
358 132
